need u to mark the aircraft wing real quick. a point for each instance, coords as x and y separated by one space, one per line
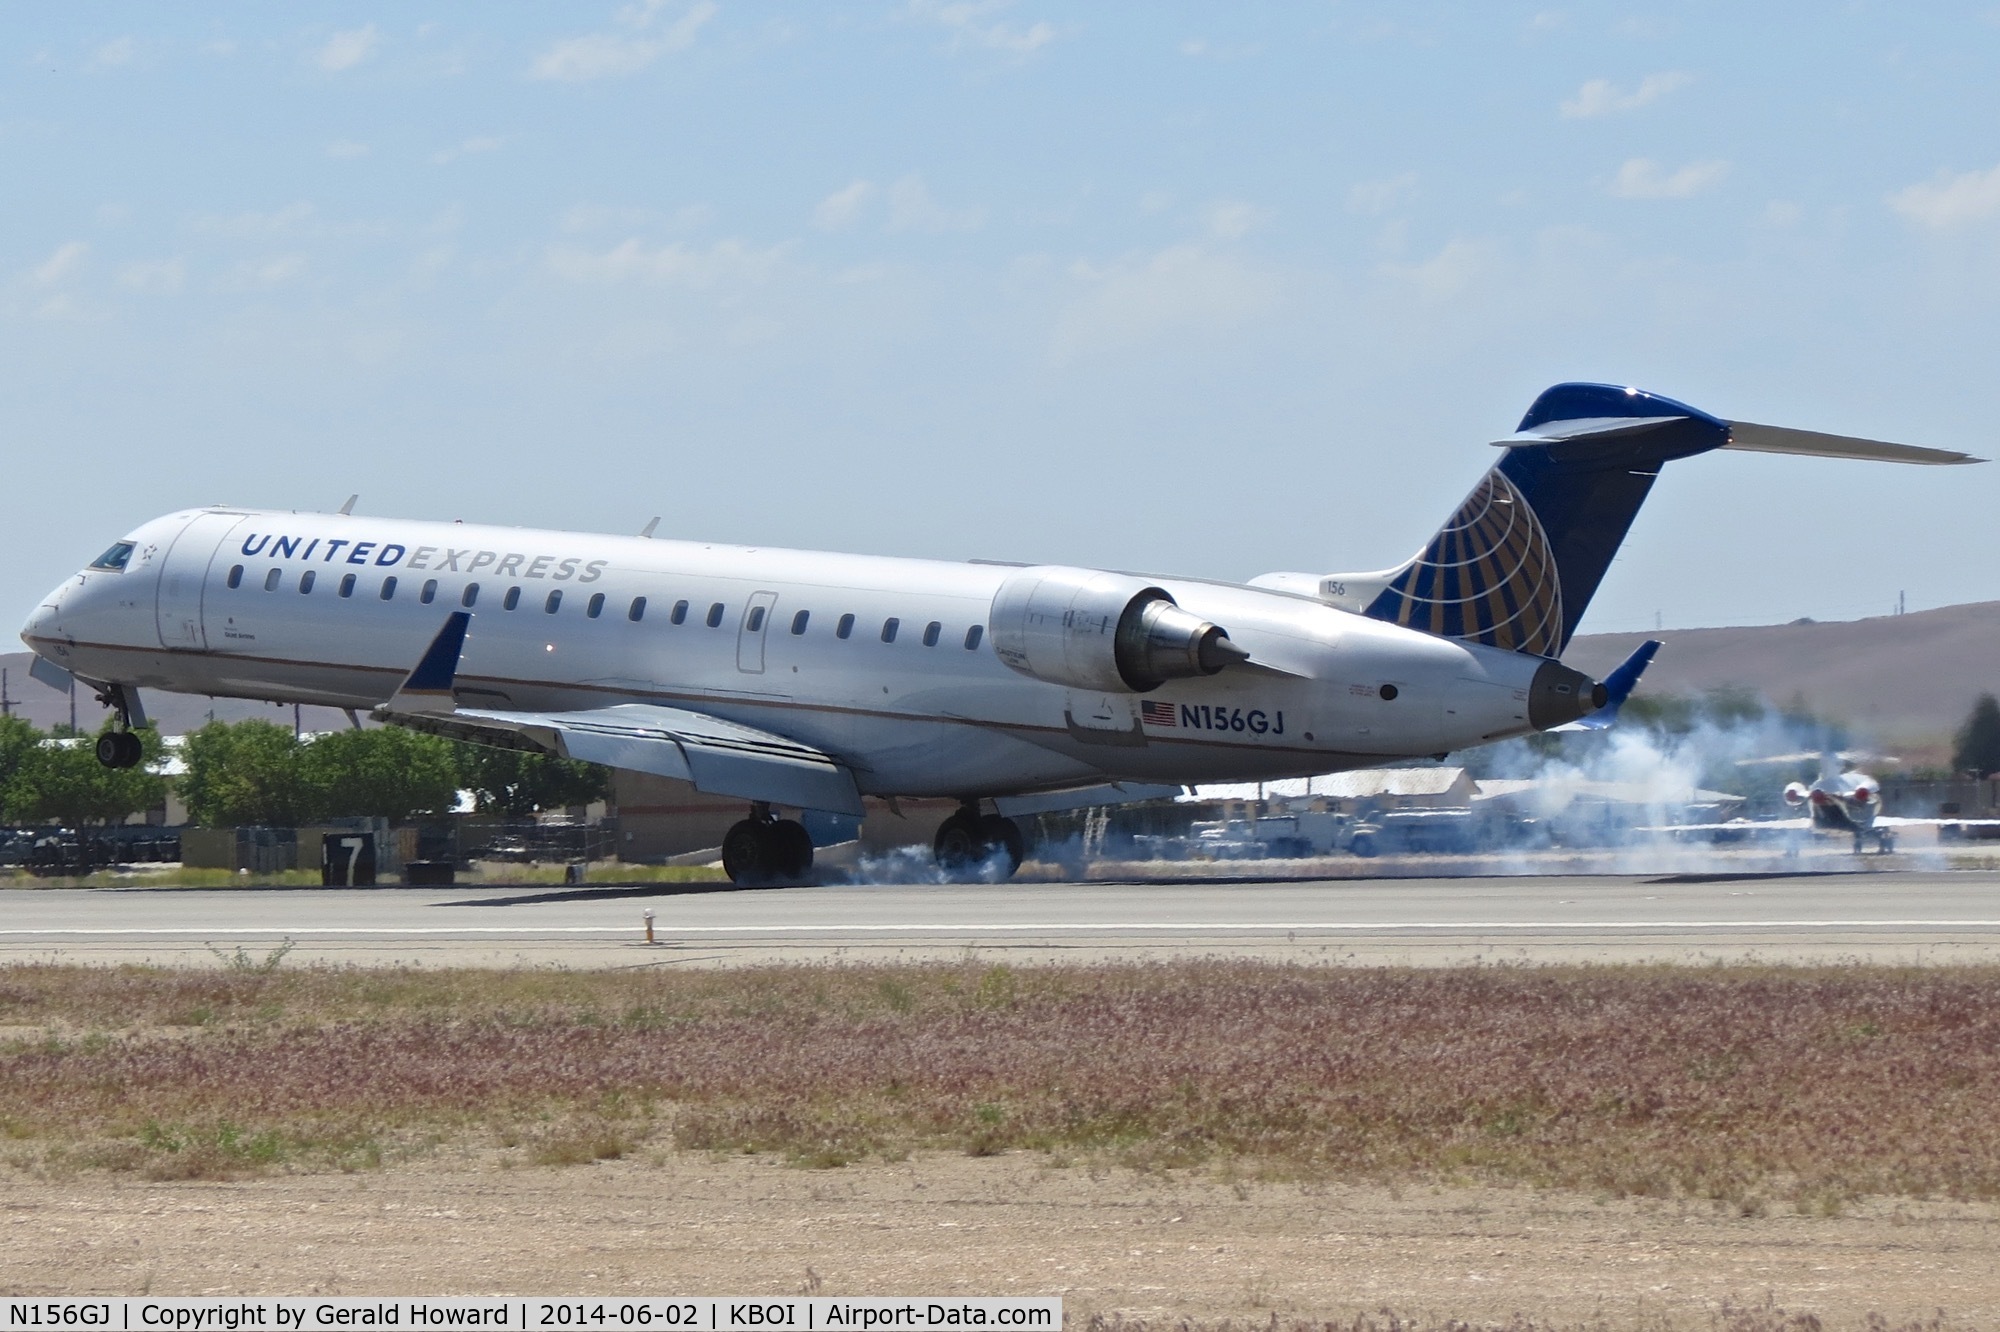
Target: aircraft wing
719 757
716 756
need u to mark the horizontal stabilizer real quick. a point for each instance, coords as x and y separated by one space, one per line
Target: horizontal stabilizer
1749 437
1589 427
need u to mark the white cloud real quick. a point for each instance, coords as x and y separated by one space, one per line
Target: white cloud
1643 178
972 25
165 275
1448 272
291 220
1232 219
268 272
467 148
118 51
843 206
676 264
347 49
1602 97
346 149
1950 200
1376 197
604 55
911 208
65 261
1143 297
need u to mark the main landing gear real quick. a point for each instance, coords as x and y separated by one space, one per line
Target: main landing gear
970 844
121 748
763 852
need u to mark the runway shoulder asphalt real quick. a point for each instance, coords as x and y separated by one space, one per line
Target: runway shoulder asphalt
1888 916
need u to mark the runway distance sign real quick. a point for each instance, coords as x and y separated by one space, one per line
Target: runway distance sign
288 1314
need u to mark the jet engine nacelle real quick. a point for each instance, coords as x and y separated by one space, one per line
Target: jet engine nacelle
1797 793
1102 631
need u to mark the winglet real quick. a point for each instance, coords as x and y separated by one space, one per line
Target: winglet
428 687
1618 687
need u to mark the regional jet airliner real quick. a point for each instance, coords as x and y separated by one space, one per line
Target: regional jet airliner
798 680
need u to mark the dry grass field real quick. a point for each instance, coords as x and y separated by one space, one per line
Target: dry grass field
1750 1088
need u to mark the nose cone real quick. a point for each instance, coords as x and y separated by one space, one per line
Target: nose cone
42 623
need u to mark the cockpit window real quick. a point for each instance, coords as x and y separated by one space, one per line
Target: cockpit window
114 558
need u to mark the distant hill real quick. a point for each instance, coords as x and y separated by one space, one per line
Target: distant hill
1904 680
1896 680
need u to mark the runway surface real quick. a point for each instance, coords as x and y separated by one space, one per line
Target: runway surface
1889 916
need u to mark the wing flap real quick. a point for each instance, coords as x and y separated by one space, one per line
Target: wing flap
717 756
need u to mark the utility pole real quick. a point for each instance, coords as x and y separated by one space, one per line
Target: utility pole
72 705
6 699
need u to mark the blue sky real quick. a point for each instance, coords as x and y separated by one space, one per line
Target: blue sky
1201 289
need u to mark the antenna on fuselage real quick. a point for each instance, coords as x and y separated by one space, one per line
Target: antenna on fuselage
348 508
647 530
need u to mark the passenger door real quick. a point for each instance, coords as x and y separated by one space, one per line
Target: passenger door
184 579
751 634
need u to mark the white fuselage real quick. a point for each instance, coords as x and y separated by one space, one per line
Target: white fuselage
211 602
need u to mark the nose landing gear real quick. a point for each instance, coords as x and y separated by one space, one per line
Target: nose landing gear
763 852
121 748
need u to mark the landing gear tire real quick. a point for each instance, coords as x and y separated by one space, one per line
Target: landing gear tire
794 847
1886 844
760 853
119 749
968 841
999 834
957 843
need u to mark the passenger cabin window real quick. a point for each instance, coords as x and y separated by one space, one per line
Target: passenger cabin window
972 637
799 621
471 595
389 588
756 625
680 613
715 615
931 632
638 611
845 627
595 607
115 558
235 575
306 581
429 592
512 599
347 585
889 627
554 602
271 580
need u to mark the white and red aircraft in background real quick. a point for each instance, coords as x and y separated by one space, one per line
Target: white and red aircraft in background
799 680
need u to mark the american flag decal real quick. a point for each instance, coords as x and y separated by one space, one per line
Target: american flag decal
1155 713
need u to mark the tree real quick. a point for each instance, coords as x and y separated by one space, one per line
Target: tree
45 781
517 782
390 772
1978 747
246 773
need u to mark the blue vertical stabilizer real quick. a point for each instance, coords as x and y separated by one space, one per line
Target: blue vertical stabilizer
1519 561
